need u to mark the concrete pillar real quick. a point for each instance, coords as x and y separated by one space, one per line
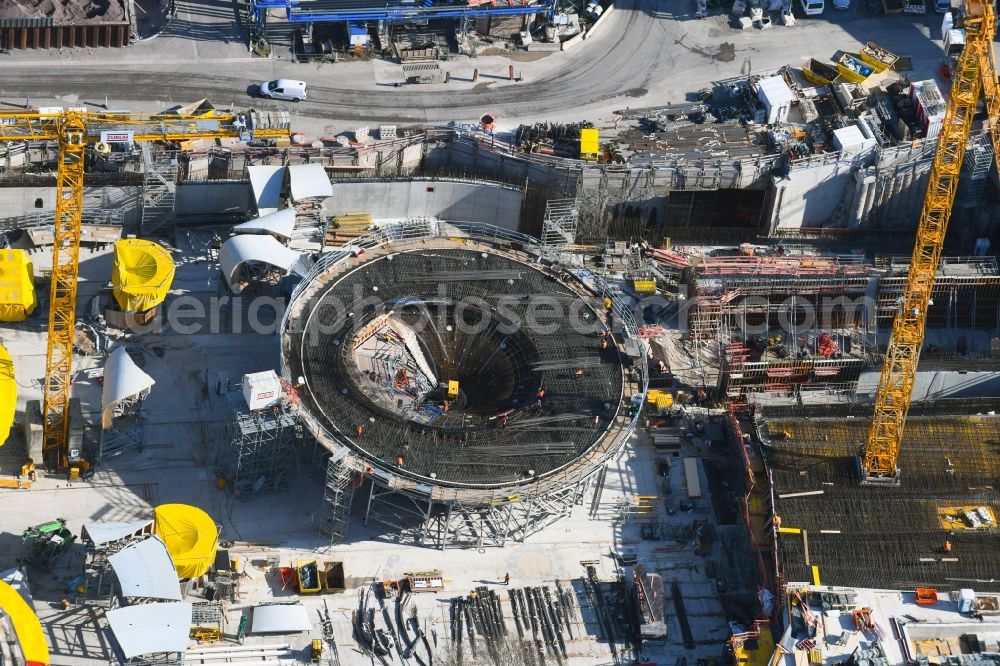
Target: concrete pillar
32 425
475 75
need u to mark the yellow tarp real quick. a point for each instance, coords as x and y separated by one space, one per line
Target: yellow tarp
8 395
26 626
142 274
191 537
17 285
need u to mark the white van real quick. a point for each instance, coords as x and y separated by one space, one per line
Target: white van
283 89
812 7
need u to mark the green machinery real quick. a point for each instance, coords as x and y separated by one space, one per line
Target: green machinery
45 543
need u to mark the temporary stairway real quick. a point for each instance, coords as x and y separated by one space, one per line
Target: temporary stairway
158 192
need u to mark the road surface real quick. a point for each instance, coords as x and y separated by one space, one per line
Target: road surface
645 53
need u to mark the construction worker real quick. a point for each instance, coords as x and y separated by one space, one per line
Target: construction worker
360 430
579 373
540 394
399 461
947 546
444 407
604 344
503 422
506 578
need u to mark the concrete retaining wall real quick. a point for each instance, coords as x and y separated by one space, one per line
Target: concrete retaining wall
212 198
18 201
445 199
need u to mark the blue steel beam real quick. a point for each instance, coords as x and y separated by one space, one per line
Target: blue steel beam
409 13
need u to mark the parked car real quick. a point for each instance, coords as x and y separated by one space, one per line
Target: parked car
812 7
841 4
285 89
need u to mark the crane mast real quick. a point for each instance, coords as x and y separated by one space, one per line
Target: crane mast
75 130
975 75
72 133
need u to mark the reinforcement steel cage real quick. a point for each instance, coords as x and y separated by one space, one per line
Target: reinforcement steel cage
484 235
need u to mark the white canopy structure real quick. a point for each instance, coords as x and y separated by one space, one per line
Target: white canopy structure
123 380
266 182
151 628
102 533
308 181
279 224
247 248
280 619
145 570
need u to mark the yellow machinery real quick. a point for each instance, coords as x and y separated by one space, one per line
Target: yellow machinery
75 129
975 74
28 633
590 148
142 274
8 395
17 286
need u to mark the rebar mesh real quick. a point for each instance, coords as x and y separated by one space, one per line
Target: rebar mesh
581 381
886 537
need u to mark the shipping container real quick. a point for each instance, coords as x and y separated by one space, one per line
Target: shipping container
692 478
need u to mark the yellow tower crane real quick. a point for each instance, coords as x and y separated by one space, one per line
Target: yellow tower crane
975 74
75 129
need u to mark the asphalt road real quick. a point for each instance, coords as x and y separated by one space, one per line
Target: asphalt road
643 55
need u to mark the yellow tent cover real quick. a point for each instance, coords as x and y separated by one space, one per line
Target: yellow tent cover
17 285
142 274
26 626
8 394
191 537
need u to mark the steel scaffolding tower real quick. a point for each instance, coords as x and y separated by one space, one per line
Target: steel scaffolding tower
261 447
559 224
417 519
337 498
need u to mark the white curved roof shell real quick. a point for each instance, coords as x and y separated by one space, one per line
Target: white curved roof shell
266 182
145 570
308 181
151 628
122 379
102 533
246 248
280 223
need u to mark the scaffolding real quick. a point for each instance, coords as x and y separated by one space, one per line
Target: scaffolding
417 519
559 225
338 497
261 447
788 324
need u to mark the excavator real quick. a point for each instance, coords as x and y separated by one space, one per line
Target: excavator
974 76
77 131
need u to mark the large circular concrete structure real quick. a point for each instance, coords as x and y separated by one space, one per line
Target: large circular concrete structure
452 363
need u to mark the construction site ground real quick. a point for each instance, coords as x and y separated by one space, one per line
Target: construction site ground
186 422
203 54
838 637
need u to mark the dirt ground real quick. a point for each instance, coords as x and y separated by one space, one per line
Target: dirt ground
65 11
